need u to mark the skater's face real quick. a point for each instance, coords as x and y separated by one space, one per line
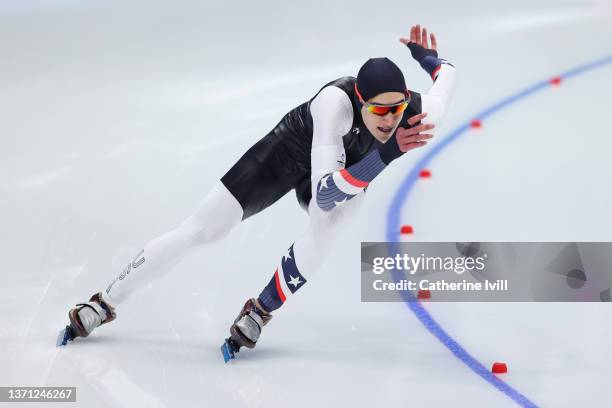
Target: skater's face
382 127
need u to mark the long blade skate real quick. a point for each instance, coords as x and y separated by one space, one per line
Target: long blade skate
245 330
229 349
65 335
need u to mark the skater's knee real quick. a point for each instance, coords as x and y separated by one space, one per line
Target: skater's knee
214 232
211 231
214 219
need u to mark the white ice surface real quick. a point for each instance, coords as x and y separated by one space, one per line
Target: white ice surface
118 116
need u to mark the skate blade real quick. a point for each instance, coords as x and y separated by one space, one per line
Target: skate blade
229 350
64 336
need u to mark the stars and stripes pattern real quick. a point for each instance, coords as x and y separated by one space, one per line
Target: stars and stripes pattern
335 189
286 280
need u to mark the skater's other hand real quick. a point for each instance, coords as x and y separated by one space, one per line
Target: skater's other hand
412 138
418 36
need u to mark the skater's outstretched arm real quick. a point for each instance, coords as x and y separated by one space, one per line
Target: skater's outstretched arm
443 73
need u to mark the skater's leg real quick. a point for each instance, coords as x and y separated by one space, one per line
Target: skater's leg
308 252
298 264
251 185
256 181
217 214
304 257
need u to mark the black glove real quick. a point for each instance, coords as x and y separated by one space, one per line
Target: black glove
428 59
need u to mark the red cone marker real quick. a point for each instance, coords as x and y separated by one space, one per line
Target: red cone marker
425 173
407 229
424 294
499 368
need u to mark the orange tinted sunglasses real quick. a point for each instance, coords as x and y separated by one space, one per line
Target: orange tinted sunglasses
382 109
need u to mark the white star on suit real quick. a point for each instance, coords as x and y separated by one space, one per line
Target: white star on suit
295 281
339 203
324 182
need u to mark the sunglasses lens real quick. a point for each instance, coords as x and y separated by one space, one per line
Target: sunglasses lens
379 110
401 108
383 110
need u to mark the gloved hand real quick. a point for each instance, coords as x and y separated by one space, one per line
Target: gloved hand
419 48
406 139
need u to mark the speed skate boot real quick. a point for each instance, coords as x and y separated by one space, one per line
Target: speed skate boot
85 317
246 328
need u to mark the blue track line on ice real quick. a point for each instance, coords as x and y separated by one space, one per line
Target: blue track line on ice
393 228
